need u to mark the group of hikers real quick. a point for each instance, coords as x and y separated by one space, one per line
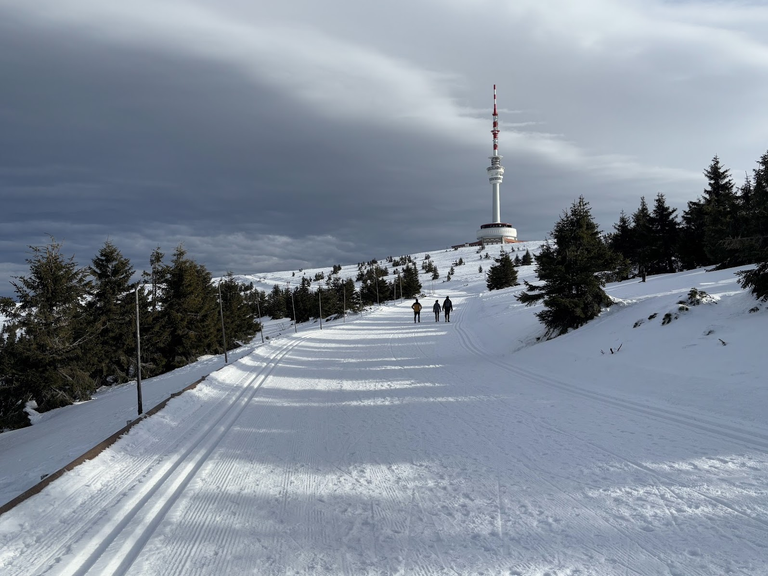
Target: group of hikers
447 307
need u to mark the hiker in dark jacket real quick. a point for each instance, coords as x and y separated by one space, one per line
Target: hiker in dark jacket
447 307
436 310
416 311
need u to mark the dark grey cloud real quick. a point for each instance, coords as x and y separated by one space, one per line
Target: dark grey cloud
305 133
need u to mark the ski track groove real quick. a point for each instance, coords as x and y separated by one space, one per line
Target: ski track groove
218 476
212 438
457 414
739 435
657 476
411 558
668 416
417 504
179 558
98 503
753 440
630 407
158 475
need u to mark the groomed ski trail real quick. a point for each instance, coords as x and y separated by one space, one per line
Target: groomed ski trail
387 447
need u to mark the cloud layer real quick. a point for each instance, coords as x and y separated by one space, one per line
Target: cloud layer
238 128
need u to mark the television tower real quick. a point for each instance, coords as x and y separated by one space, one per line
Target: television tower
495 170
496 231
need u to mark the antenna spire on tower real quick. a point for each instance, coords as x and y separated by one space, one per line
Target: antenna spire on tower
495 130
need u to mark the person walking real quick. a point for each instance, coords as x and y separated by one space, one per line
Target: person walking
436 310
447 308
416 311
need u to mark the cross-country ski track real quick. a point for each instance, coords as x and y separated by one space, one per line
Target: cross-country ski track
381 446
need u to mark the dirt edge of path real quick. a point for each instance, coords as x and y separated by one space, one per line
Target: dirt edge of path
92 453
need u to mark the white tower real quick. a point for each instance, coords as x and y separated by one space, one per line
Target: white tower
496 231
495 170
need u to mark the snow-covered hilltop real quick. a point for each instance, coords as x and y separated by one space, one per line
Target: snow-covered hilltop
636 444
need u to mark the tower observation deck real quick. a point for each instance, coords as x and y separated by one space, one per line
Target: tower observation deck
496 231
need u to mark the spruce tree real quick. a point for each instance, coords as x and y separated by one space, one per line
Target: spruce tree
753 201
13 396
621 241
756 249
49 331
691 248
570 268
411 282
189 311
664 240
756 280
335 297
374 288
642 238
758 227
527 259
351 296
290 308
744 248
239 311
111 313
154 276
501 275
304 301
720 205
276 307
154 330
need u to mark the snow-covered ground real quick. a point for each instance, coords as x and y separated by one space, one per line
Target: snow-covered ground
381 446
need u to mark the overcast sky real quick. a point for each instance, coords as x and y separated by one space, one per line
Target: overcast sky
249 130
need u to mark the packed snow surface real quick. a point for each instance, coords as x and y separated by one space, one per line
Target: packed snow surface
635 445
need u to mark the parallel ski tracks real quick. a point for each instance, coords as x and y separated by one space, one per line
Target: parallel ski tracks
542 544
416 552
127 512
756 442
723 430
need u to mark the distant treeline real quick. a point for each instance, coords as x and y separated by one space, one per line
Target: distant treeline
724 227
72 329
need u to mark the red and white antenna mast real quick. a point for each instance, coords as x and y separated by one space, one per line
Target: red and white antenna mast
495 170
495 130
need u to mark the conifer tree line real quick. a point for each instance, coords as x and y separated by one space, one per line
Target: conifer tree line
302 303
72 329
725 227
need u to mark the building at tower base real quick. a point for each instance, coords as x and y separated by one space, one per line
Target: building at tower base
496 233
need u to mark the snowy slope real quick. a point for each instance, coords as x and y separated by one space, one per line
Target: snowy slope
380 446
